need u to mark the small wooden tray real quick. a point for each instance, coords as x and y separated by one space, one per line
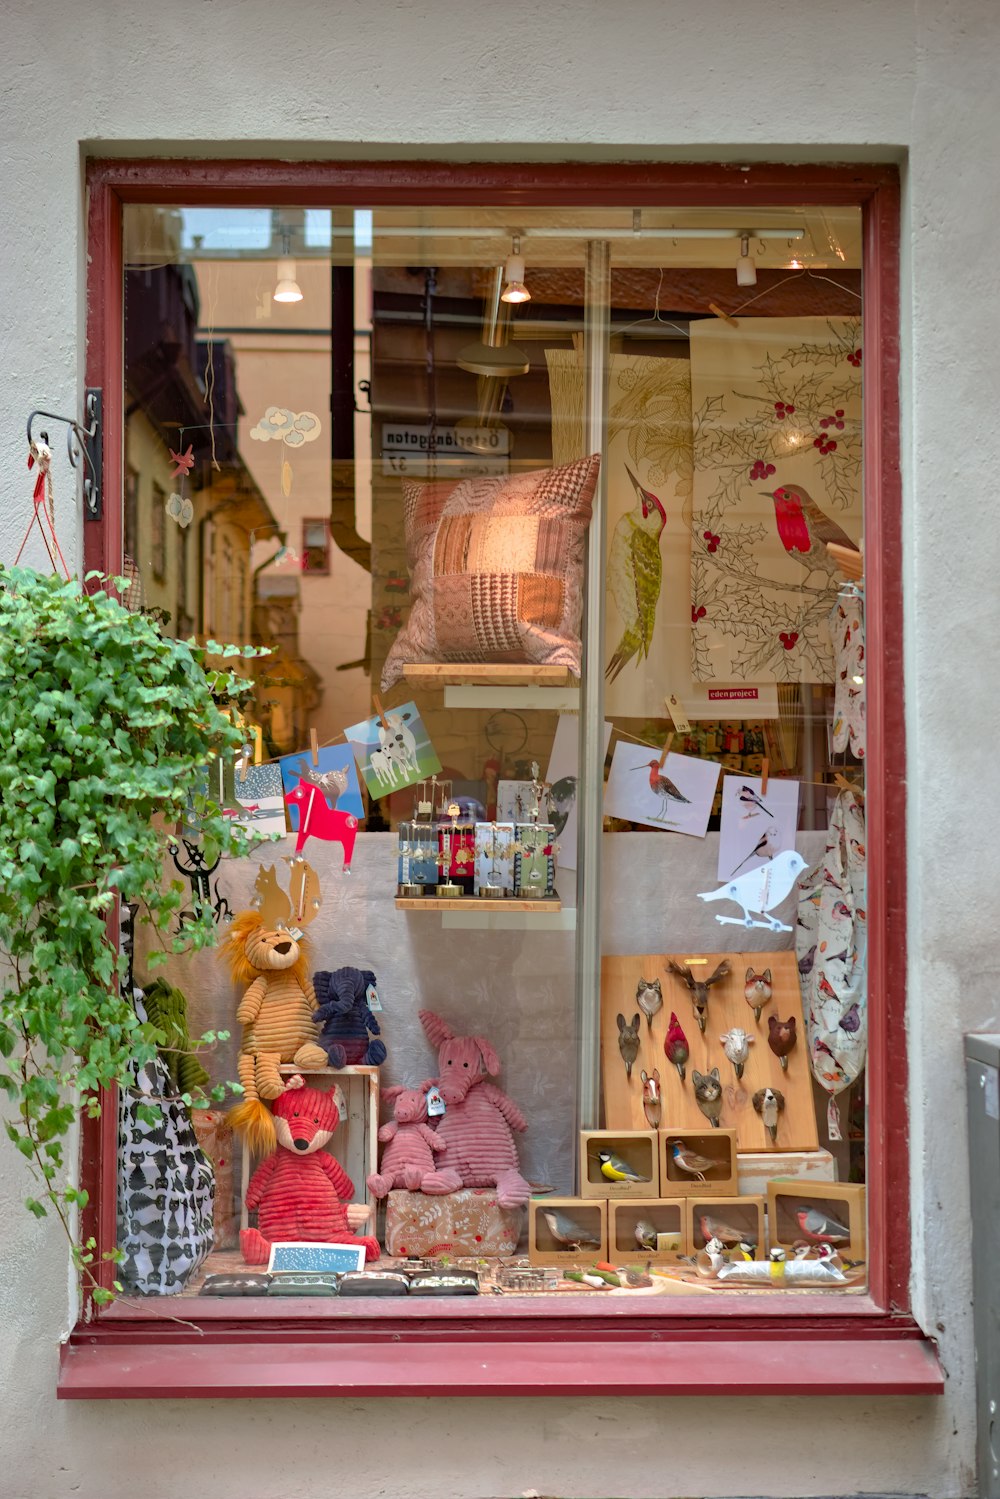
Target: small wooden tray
487 674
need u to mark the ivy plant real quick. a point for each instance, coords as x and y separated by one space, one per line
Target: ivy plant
106 728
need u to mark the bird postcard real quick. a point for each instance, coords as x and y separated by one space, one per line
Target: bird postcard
677 796
754 827
562 776
335 776
393 751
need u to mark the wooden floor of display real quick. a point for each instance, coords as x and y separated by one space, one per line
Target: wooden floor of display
667 1279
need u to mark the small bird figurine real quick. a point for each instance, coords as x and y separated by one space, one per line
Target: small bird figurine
803 527
781 1038
708 1094
676 1046
819 1227
768 1103
663 787
761 890
645 1234
567 1231
727 1233
652 1102
764 848
628 1042
748 796
757 990
736 1044
698 987
614 1169
649 998
709 1261
688 1160
635 573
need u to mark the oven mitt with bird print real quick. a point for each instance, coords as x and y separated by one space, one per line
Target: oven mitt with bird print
831 942
847 631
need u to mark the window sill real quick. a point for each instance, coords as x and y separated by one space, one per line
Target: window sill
123 1363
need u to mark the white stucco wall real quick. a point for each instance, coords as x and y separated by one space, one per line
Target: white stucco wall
767 79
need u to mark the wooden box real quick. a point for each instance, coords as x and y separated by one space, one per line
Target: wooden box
637 1148
667 1216
355 1140
842 1201
468 1222
719 1145
590 1216
745 1215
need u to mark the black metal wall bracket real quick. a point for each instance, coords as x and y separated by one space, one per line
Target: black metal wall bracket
81 441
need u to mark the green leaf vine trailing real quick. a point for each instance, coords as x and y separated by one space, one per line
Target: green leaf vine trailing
106 729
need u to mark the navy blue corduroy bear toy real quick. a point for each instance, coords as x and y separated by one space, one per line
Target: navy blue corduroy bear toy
346 1018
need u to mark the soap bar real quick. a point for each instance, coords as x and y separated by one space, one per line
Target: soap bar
304 1283
235 1284
456 1283
374 1283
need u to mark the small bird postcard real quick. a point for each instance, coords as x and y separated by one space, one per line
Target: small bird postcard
562 775
754 828
335 775
677 796
394 753
301 1254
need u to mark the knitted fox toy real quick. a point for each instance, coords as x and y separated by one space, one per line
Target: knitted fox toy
300 1190
276 1014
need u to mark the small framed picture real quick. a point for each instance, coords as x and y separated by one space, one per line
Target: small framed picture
300 1254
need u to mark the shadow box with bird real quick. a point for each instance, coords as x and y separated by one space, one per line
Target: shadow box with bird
567 1231
651 1230
618 1164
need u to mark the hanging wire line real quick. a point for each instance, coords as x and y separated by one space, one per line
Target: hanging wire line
655 316
795 276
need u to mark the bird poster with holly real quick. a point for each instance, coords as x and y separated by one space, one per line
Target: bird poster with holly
777 474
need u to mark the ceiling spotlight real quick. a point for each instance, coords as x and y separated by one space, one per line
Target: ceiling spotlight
746 266
287 289
515 289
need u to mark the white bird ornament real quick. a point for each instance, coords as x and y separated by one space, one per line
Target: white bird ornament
762 890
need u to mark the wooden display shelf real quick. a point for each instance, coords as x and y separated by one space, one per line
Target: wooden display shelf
474 903
488 674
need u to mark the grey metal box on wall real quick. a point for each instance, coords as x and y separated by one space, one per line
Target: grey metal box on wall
982 1068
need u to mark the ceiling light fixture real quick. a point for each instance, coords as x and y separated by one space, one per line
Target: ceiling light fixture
746 266
287 289
515 289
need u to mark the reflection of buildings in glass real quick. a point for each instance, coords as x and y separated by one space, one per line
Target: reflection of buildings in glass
199 578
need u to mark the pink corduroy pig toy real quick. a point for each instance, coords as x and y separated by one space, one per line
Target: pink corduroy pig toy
410 1146
479 1119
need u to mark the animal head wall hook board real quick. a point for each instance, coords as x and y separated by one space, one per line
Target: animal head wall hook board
649 998
768 1103
699 988
736 1043
781 1038
708 1094
676 1045
652 1103
628 1041
757 990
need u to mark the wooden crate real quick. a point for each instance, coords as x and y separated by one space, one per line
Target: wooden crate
718 1144
592 1216
736 1212
355 1140
637 1148
844 1201
726 1008
667 1216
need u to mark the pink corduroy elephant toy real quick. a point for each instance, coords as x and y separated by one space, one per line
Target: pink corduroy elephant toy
410 1146
479 1119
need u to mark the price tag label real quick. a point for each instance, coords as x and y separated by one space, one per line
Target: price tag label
374 1004
435 1104
677 714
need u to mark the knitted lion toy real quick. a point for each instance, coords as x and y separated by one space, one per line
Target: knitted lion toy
276 1015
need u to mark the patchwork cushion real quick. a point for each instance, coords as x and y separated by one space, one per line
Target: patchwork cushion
496 568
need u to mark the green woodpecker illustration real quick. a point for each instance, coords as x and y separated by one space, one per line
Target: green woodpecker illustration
635 571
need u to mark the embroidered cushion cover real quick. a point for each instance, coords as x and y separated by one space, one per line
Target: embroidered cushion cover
496 568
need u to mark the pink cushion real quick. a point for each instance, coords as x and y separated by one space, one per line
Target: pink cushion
496 568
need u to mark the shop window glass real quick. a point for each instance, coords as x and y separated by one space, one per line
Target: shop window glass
552 523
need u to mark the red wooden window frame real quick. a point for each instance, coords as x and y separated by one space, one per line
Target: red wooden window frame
808 1343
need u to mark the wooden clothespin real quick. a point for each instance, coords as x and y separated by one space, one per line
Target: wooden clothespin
765 770
314 747
844 784
726 318
666 748
244 761
379 710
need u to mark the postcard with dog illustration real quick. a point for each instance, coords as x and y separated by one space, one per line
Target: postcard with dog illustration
335 776
393 753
